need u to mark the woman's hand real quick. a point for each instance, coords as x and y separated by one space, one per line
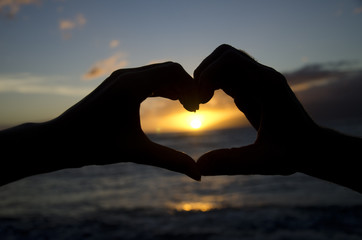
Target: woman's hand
288 140
265 98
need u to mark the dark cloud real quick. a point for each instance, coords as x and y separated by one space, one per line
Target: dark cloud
329 91
316 72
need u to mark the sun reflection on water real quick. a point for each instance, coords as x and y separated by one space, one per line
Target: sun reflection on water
194 206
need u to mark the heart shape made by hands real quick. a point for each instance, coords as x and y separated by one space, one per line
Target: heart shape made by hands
268 103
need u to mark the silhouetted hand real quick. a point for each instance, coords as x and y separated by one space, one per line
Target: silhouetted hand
103 128
263 95
288 140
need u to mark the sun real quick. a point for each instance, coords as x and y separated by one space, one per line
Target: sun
195 121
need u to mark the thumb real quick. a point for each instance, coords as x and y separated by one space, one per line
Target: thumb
160 156
252 159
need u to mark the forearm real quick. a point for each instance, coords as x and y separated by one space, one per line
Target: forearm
337 158
28 149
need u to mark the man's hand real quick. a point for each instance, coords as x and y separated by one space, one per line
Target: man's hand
103 128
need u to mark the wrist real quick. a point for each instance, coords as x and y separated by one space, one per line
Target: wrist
27 150
334 157
314 150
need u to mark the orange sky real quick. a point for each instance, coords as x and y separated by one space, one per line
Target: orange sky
163 115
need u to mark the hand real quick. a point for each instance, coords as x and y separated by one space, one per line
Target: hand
285 131
106 124
103 128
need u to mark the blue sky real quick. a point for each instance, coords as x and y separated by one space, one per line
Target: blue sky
54 52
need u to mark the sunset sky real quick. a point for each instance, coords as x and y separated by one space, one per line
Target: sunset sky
53 53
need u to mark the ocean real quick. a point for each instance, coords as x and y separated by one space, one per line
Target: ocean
130 201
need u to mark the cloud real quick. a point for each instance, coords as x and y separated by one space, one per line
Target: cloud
106 66
329 91
66 25
358 10
31 84
10 8
113 43
314 75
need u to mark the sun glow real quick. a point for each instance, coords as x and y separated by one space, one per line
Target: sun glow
196 121
160 115
202 120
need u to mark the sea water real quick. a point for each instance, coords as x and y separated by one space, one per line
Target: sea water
130 201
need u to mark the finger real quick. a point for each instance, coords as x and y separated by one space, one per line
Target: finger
252 159
138 83
121 72
236 73
167 80
211 58
227 68
209 80
160 156
206 88
171 81
216 54
226 72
